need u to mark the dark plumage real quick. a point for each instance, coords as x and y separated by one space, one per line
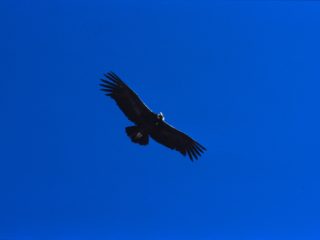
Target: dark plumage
147 123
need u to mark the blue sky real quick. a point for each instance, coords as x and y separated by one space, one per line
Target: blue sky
241 77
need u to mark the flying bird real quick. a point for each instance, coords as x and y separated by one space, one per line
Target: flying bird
147 123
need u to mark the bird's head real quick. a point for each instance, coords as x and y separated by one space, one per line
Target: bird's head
160 116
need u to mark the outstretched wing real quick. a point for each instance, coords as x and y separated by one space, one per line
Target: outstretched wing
126 99
174 139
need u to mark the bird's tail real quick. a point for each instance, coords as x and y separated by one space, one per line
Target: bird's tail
137 136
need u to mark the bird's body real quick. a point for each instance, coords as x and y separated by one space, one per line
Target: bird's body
147 123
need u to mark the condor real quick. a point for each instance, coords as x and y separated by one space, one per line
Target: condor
147 123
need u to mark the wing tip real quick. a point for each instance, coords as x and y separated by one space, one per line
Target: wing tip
195 151
113 78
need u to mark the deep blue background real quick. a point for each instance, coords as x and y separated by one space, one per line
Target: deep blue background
240 77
